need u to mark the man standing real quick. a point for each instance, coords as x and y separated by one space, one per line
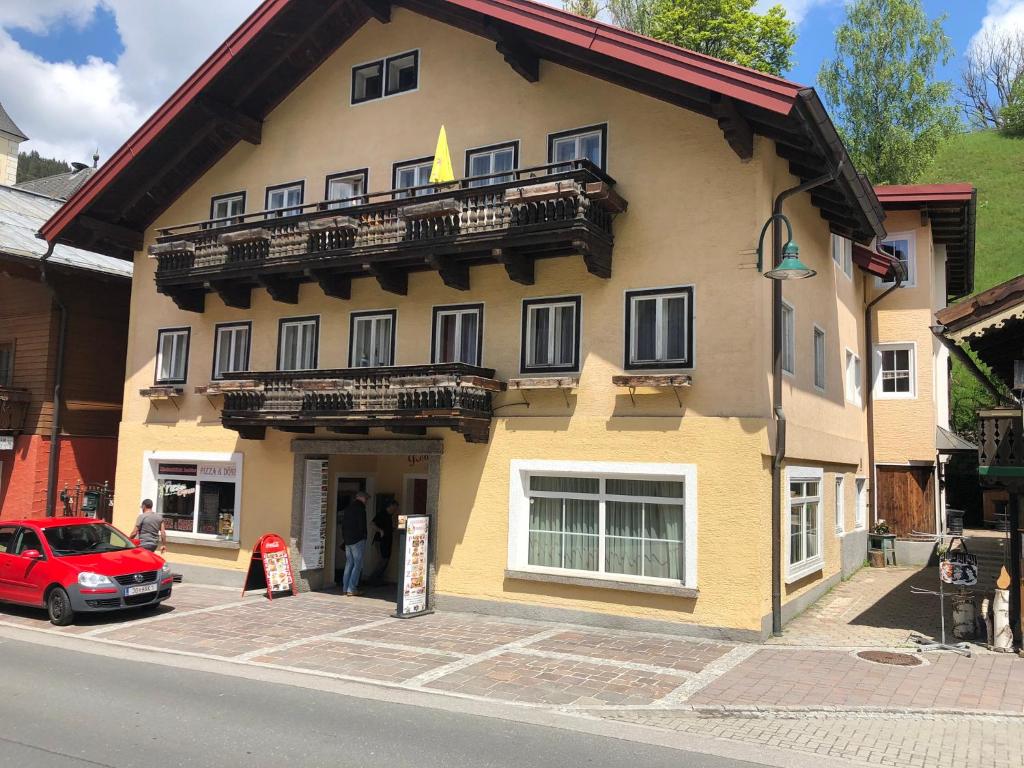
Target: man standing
353 535
149 528
385 522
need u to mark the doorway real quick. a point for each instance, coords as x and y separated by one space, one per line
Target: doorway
906 498
345 489
414 500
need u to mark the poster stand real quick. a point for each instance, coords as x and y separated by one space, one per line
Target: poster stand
270 567
414 580
957 567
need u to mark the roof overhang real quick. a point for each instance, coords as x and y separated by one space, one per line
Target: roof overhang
952 211
874 262
284 41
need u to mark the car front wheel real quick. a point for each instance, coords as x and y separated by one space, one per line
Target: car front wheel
58 605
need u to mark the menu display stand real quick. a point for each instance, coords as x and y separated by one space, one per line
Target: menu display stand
270 567
414 582
957 567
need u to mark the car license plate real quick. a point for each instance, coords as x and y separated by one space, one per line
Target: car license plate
140 590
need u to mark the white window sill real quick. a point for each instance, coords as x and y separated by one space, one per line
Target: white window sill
674 589
197 541
803 570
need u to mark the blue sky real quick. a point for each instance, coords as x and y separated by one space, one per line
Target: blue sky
92 70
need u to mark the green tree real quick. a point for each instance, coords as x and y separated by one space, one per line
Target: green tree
1012 115
634 15
586 8
888 107
32 166
728 29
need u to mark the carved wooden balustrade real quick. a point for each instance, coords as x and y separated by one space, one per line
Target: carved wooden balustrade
13 410
403 399
1000 444
534 213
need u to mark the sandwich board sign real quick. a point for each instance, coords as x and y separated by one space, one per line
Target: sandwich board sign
270 567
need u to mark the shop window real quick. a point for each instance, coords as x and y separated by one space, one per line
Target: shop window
458 334
804 540
551 335
172 355
372 339
231 353
659 328
495 164
198 498
298 339
346 189
580 144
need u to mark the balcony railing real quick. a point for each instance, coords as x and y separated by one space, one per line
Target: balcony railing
552 210
13 410
1000 444
402 399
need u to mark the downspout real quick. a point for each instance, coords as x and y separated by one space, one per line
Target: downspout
777 412
58 379
869 384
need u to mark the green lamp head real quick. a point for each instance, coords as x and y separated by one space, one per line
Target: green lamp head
790 268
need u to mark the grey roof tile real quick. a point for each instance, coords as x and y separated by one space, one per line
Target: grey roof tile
61 185
7 125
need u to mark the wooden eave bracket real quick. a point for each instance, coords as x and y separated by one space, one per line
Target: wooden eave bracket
516 52
239 124
735 128
378 9
676 381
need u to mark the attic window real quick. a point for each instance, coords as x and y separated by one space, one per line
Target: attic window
386 77
367 82
403 73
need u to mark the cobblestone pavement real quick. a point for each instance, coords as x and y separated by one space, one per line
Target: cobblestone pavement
813 700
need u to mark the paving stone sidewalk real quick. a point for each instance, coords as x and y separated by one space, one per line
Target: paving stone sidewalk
762 694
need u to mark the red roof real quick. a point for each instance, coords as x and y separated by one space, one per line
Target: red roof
924 193
873 262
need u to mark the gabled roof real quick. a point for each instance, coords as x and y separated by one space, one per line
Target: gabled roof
59 186
8 126
283 41
952 210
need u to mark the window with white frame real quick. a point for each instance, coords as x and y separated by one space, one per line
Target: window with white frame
415 173
819 358
861 519
495 163
901 247
367 82
231 349
804 540
616 521
285 200
401 73
580 144
788 339
372 339
6 363
172 355
896 371
458 334
840 504
659 328
297 342
854 377
842 254
551 334
225 209
346 189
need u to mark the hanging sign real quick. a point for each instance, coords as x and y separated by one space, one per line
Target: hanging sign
314 515
959 567
270 567
413 586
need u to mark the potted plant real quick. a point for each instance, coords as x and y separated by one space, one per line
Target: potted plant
881 544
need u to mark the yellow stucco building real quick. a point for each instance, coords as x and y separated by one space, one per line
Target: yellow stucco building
564 356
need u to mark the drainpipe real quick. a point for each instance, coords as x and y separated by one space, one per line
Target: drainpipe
58 378
869 384
777 412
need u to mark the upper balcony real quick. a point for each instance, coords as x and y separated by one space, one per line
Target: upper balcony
13 410
1000 445
546 211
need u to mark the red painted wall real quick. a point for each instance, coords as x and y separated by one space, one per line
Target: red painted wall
23 480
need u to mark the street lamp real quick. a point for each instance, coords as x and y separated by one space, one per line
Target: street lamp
790 267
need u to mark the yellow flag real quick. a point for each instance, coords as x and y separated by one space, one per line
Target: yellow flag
442 171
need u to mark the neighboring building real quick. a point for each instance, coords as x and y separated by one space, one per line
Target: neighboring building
11 138
94 291
565 358
931 231
61 186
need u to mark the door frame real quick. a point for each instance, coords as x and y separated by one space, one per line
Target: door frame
370 478
407 489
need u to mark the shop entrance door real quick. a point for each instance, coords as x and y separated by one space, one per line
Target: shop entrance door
346 488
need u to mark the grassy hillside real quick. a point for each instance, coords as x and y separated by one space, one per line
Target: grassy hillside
995 165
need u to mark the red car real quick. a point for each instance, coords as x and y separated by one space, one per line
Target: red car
72 565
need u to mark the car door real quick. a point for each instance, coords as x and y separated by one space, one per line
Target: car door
6 561
29 578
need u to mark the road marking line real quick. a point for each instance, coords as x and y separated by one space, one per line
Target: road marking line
710 673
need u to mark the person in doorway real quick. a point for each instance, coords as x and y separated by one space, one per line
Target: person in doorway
385 522
353 535
149 528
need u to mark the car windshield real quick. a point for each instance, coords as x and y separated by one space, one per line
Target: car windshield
88 538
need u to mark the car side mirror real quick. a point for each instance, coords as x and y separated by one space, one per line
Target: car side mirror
32 554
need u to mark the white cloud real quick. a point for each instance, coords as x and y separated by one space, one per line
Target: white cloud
1002 15
69 109
795 9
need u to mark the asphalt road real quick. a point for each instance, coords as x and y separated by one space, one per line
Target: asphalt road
73 710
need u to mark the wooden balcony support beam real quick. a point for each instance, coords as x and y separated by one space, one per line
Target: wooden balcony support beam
335 285
249 432
283 289
298 430
238 124
349 430
233 294
519 267
735 128
453 273
597 259
390 280
404 430
189 299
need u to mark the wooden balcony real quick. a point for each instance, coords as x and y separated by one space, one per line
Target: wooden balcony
401 399
543 212
13 409
1000 445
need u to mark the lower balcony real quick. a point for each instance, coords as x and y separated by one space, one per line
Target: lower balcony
1000 445
400 399
13 410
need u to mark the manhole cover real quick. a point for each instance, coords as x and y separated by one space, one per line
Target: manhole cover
888 657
